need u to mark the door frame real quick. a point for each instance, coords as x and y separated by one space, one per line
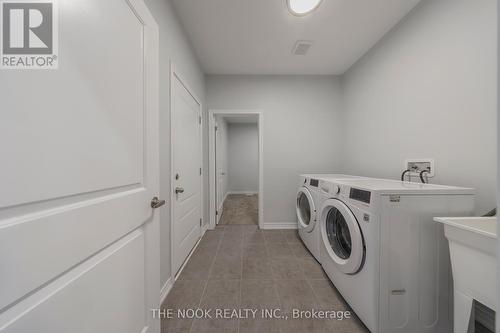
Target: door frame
216 184
211 156
174 73
152 249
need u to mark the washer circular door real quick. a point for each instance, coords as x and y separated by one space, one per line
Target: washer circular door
342 236
306 211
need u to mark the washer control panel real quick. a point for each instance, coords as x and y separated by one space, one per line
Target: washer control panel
360 195
314 182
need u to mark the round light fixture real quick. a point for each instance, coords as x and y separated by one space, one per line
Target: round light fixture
302 7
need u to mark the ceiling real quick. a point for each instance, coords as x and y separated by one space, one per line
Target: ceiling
257 36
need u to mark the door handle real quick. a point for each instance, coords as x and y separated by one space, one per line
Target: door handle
179 190
157 203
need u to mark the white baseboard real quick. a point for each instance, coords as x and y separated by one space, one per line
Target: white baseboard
243 192
279 225
222 203
204 228
170 282
165 290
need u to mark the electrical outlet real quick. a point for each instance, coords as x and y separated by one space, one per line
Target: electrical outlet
417 165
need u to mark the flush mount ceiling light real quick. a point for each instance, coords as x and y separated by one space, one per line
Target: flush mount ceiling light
302 7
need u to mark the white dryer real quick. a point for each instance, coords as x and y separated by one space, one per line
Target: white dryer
308 201
382 251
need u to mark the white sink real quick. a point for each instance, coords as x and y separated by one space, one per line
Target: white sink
472 242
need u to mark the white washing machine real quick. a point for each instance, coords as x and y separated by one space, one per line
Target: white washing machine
308 201
386 256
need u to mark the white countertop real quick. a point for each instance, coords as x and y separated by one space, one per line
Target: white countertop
486 226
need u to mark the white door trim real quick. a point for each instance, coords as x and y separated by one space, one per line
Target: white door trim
174 73
152 97
211 157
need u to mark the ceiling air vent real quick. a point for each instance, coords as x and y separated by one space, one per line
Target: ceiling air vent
301 47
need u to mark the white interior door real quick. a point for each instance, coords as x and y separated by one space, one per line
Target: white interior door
186 169
79 247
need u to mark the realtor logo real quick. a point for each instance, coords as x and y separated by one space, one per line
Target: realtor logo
29 34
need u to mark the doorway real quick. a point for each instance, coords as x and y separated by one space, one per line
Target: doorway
235 153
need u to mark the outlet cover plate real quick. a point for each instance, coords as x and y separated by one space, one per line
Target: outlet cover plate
416 165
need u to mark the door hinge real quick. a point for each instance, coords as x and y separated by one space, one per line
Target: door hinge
216 128
199 119
200 171
216 213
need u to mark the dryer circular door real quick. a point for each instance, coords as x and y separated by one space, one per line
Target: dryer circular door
342 236
306 210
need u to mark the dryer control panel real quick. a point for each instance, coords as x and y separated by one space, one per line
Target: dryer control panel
314 182
360 195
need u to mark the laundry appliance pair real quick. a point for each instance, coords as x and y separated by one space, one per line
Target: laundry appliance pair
308 203
382 250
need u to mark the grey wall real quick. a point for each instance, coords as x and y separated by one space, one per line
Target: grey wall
174 46
428 89
293 108
243 157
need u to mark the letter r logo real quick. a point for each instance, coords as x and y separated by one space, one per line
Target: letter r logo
27 27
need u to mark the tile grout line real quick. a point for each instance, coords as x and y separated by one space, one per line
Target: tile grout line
299 258
208 279
276 293
275 287
291 240
316 298
241 275
315 295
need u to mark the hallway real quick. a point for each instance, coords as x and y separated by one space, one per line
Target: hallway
241 267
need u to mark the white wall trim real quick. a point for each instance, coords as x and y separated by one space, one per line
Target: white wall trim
220 209
203 230
165 290
279 225
211 157
225 197
167 287
174 73
223 200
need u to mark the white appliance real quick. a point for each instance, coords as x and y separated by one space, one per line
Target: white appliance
308 201
386 256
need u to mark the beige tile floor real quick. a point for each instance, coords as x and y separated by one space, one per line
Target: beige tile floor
239 266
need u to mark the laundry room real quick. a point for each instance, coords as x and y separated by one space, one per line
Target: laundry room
264 166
